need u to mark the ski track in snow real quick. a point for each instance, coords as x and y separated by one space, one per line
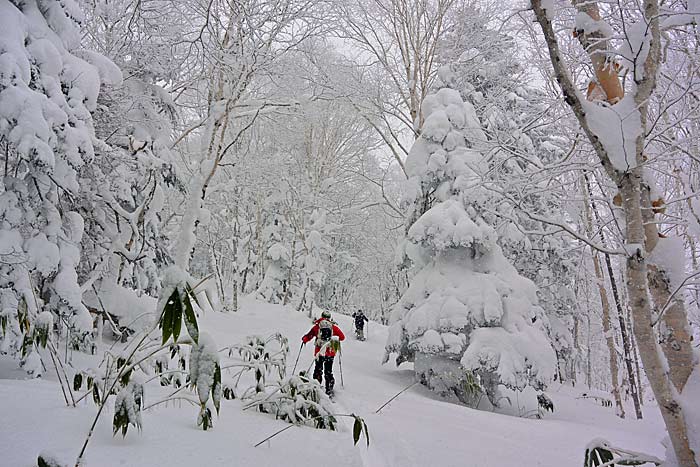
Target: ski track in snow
369 455
416 429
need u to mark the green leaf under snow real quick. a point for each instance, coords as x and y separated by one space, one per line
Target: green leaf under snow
77 381
356 430
166 320
190 291
190 316
216 388
96 394
177 319
23 315
597 456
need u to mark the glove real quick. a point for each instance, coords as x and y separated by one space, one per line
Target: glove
335 339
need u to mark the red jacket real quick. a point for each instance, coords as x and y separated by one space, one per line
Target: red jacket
313 333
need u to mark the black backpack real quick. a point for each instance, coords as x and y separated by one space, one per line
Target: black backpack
325 331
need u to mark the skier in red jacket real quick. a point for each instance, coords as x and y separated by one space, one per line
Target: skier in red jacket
324 331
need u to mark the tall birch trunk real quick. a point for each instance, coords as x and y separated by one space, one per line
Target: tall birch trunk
654 366
675 334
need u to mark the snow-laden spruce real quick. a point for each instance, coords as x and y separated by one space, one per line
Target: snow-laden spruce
274 287
47 94
468 320
491 78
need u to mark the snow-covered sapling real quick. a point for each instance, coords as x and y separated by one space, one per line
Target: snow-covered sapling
47 459
265 357
298 400
127 408
599 452
205 377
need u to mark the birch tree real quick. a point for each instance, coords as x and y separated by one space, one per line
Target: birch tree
617 128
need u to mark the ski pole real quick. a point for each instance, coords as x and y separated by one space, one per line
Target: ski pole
298 355
340 362
310 365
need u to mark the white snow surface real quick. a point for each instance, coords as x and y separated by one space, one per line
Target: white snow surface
416 429
134 311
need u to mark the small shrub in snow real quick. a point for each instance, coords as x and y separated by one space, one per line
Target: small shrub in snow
266 358
42 328
46 459
84 380
599 452
298 400
32 364
127 408
205 377
545 403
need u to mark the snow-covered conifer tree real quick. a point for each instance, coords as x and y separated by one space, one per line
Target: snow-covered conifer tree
468 316
312 272
522 136
275 283
48 87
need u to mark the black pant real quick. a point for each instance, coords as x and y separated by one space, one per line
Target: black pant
324 365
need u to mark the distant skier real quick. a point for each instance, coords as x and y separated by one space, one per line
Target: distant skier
327 335
360 319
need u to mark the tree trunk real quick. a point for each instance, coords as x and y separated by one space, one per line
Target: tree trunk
674 334
577 350
626 345
633 340
620 315
636 362
303 295
588 354
588 336
609 335
662 386
246 270
234 297
288 287
605 305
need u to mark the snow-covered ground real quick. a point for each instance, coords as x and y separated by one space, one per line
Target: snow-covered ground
416 429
